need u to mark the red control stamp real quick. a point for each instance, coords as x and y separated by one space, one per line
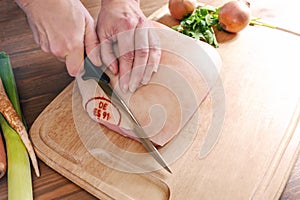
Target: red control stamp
102 109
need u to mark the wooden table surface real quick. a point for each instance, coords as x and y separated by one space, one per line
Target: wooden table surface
40 78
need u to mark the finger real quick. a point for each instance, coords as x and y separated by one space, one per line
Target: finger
40 38
108 56
154 55
34 32
74 61
44 43
91 41
61 59
126 50
56 43
140 56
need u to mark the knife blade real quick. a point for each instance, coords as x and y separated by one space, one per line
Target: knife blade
103 80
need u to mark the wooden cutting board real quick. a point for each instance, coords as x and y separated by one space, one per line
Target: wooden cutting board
258 138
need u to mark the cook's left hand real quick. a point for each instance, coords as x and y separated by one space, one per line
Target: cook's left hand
122 23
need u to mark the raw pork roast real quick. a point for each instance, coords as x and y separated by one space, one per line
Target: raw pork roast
187 71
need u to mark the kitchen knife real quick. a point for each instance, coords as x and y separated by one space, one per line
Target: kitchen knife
103 80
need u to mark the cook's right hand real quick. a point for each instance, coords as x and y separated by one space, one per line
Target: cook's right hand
64 28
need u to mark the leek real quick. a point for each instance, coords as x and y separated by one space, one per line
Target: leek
19 170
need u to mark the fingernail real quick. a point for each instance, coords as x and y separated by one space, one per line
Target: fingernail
145 81
132 87
99 61
155 68
125 88
111 69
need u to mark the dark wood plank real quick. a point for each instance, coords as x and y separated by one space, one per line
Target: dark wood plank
39 76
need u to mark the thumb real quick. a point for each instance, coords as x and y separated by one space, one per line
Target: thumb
74 61
91 42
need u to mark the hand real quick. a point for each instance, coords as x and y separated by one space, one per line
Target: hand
121 22
63 28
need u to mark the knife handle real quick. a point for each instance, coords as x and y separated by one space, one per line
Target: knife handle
94 72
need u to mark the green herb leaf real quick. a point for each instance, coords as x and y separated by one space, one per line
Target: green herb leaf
199 24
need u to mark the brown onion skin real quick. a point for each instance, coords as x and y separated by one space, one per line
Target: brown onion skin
180 8
234 16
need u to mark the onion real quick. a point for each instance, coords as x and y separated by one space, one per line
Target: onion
234 16
180 8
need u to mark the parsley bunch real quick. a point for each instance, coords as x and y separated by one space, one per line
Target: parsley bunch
199 24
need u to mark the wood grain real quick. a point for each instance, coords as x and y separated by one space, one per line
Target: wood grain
40 78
